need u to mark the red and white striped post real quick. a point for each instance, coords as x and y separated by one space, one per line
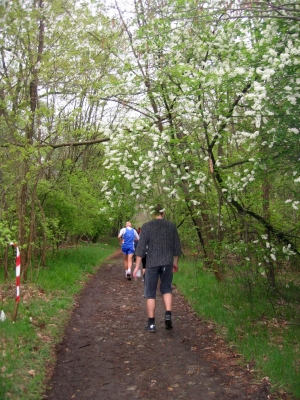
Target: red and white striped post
18 279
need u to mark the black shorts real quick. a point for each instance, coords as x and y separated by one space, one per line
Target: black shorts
144 261
152 274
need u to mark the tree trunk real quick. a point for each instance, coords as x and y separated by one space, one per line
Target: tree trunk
30 130
203 229
6 262
266 215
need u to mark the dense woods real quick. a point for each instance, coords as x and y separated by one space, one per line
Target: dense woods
106 108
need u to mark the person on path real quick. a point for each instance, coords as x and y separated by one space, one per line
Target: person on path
144 262
127 236
144 259
160 239
135 246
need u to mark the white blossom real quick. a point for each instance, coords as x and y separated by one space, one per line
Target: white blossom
292 99
195 202
287 250
272 52
240 70
294 130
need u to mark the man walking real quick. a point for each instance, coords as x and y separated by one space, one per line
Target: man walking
160 239
127 237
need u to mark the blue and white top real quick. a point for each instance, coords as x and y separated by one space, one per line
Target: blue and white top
128 236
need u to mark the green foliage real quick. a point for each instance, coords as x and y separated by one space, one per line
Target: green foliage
53 193
201 109
219 147
7 234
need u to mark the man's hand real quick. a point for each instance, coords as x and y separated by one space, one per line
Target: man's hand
135 271
175 268
137 266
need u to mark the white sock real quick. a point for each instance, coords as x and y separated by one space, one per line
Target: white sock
129 271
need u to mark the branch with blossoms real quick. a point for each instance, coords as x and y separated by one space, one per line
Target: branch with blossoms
56 146
244 211
250 10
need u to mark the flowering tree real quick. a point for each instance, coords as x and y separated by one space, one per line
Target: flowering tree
195 104
212 124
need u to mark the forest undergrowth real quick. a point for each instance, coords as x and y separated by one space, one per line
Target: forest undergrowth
262 329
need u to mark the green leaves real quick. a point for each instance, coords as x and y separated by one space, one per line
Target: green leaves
194 104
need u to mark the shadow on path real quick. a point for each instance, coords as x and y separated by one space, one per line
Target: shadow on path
107 354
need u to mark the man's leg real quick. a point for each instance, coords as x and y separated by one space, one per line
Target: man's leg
126 262
168 301
166 290
150 294
129 264
151 315
151 308
168 307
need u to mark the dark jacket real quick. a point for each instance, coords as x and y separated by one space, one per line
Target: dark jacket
163 243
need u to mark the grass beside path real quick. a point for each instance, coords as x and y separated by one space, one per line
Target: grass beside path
267 337
46 300
268 342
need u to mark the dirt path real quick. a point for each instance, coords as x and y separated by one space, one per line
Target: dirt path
107 354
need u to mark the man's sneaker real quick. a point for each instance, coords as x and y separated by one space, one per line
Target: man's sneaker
128 277
150 327
168 322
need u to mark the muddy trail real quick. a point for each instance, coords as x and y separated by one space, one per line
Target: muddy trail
107 354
